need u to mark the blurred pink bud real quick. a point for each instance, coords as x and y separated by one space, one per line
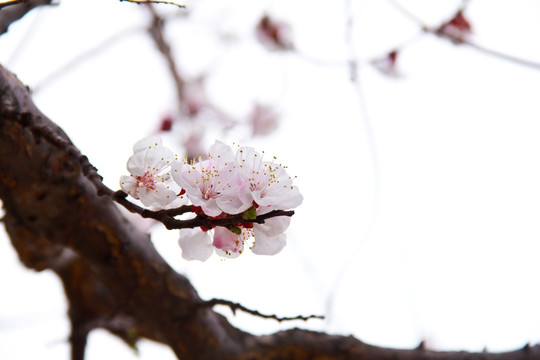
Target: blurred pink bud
274 35
263 120
457 28
387 64
166 124
194 95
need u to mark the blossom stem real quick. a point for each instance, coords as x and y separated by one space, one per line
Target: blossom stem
166 217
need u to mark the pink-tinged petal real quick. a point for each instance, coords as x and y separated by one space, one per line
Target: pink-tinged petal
227 243
265 245
195 244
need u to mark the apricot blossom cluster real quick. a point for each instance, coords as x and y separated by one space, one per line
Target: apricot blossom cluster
220 184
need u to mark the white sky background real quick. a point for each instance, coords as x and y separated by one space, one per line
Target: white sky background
420 220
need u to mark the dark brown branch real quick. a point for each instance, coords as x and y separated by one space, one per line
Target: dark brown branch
236 306
14 10
5 4
156 32
166 217
113 276
154 2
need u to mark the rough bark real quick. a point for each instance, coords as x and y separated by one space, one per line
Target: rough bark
112 275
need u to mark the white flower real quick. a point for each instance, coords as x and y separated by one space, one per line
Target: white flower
150 180
270 186
214 183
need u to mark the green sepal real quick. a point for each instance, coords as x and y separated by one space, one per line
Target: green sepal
250 214
235 229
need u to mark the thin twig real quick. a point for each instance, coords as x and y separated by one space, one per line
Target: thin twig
236 306
166 217
462 41
154 2
487 51
86 55
156 31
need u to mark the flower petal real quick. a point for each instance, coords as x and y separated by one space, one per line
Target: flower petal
265 245
227 243
147 143
195 244
273 226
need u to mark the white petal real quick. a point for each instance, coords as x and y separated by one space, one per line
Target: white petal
220 150
209 207
265 245
136 164
272 226
159 158
164 194
279 198
129 185
195 244
235 199
249 159
147 143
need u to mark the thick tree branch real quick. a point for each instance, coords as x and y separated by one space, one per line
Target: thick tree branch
11 11
113 276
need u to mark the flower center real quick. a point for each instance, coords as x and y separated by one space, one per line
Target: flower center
147 181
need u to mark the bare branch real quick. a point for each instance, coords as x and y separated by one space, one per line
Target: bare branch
438 31
235 306
64 69
154 2
156 31
17 9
